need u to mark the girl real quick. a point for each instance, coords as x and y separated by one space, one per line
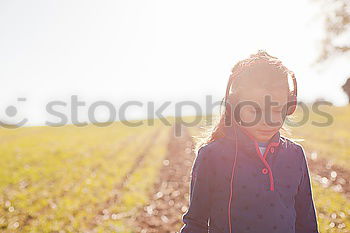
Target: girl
247 177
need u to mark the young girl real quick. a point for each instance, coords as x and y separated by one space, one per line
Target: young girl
247 177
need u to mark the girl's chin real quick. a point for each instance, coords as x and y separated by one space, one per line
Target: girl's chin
263 137
265 134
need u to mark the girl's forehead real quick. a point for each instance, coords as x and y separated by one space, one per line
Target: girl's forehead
262 96
261 84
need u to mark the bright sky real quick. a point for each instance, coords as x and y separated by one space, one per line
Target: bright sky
151 51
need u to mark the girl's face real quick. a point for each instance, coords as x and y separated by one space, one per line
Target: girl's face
261 111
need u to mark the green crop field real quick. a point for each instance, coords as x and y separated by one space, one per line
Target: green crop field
65 179
118 178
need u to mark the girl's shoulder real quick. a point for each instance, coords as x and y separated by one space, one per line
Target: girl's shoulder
290 143
206 151
293 147
208 148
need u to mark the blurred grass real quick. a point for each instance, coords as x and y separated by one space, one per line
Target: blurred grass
333 209
331 142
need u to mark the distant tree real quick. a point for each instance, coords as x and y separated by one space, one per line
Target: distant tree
337 28
346 88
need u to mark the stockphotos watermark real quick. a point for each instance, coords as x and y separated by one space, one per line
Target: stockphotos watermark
54 109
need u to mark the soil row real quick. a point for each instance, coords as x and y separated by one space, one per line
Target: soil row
169 200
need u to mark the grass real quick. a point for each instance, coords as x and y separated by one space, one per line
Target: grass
333 209
330 142
56 178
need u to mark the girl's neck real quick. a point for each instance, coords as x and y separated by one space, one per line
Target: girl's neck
262 143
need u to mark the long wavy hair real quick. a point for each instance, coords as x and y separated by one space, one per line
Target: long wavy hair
215 131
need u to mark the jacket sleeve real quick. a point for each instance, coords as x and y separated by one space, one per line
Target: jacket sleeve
197 215
306 220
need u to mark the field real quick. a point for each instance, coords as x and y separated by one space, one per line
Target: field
136 179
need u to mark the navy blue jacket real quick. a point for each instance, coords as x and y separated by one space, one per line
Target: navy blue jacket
269 193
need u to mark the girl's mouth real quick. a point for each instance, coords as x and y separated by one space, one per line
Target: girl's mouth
265 131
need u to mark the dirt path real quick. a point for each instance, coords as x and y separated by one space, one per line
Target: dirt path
169 200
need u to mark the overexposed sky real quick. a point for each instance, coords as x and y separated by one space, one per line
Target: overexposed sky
151 51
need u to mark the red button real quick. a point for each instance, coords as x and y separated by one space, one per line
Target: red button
272 149
264 170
